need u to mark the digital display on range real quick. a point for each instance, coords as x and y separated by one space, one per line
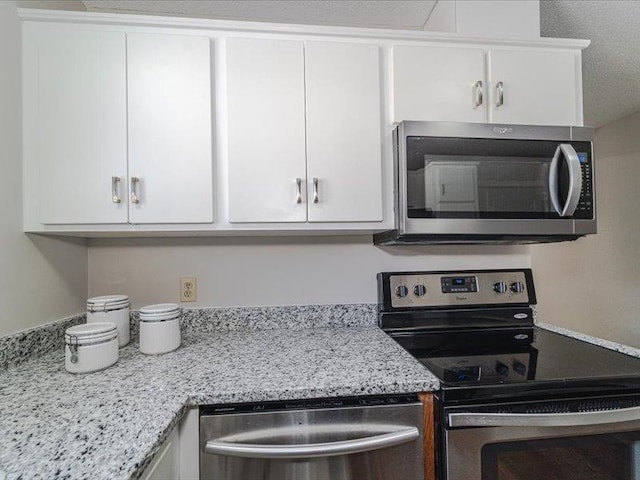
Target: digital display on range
459 284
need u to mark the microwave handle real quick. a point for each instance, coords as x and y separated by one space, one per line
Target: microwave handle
567 152
574 419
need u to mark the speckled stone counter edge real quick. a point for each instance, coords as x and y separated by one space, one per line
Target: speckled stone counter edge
22 346
618 347
19 347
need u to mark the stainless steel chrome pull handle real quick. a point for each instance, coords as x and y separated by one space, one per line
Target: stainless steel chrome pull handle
135 198
500 89
315 191
311 450
115 190
545 419
477 89
575 180
299 190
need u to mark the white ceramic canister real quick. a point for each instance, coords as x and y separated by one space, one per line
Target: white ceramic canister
91 347
111 308
160 328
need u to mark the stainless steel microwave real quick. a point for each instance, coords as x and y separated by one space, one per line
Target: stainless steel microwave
488 183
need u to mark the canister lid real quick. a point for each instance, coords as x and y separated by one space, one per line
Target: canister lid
90 333
107 302
160 311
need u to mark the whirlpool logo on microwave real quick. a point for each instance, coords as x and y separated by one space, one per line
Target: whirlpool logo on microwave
502 130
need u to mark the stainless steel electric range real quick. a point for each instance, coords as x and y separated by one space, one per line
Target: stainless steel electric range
517 402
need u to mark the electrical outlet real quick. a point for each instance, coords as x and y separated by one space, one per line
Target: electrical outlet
188 289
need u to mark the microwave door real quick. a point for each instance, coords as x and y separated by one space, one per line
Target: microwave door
565 180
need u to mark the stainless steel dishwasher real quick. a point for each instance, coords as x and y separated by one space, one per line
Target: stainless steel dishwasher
359 438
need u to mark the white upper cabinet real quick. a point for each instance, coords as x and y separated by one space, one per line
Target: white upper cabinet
344 149
266 130
303 131
119 134
438 84
534 87
123 126
513 86
170 152
80 131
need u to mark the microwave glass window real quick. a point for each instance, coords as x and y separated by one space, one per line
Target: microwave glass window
482 178
596 457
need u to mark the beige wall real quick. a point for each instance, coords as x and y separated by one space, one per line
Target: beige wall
593 285
41 279
270 271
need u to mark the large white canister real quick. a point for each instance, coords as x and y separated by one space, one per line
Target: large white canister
111 308
160 328
91 347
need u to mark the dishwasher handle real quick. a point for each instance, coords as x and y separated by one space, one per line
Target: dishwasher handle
311 450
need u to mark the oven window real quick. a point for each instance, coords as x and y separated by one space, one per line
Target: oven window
598 457
482 178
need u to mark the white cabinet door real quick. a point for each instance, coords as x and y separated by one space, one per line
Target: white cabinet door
538 87
343 132
82 125
438 84
166 463
169 88
266 130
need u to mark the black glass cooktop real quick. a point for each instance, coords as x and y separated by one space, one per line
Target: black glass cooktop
550 363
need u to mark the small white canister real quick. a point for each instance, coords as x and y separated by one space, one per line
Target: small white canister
91 347
160 328
111 308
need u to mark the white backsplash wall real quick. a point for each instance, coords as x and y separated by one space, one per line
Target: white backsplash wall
235 271
592 285
41 279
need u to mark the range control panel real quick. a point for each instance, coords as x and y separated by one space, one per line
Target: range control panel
445 289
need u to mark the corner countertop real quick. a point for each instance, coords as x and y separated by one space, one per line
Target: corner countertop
108 424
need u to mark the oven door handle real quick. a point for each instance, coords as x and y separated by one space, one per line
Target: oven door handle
574 419
311 450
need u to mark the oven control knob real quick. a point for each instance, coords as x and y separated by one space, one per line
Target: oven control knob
500 287
517 287
419 290
402 291
502 369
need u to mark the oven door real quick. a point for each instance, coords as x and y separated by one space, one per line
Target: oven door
593 445
477 179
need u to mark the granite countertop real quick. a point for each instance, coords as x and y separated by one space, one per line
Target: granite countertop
109 424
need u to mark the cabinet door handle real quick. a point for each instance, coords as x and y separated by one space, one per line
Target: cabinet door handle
500 88
115 189
477 89
298 190
134 190
315 191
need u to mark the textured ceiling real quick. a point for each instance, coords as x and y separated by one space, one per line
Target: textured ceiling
611 65
401 14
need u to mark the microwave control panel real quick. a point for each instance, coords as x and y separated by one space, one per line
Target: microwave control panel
586 204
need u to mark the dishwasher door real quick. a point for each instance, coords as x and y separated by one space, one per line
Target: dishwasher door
381 442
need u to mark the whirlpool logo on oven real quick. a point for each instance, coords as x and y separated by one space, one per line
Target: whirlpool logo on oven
502 130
